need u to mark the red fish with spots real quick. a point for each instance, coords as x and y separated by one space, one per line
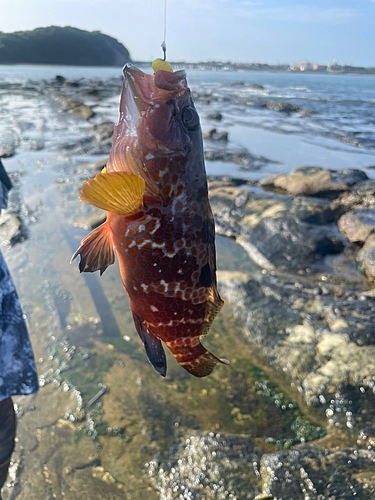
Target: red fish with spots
159 220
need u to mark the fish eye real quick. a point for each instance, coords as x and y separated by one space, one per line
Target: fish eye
190 118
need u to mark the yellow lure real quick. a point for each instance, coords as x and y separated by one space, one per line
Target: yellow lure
159 64
104 171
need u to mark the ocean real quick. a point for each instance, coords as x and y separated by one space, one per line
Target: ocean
104 424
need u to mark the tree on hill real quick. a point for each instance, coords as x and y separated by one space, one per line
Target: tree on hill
57 45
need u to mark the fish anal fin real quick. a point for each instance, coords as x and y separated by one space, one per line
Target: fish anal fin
96 250
153 347
203 365
117 192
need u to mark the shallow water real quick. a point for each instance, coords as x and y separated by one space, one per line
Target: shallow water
103 417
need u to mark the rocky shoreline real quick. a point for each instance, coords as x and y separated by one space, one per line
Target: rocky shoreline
305 308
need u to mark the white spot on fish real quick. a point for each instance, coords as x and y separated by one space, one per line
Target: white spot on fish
154 309
149 156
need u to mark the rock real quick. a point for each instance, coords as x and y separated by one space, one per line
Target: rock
324 344
315 181
361 196
242 157
308 472
84 112
102 131
256 86
69 104
276 230
366 257
10 229
72 84
96 166
207 466
59 79
77 107
91 92
215 116
92 221
283 107
357 225
214 135
8 143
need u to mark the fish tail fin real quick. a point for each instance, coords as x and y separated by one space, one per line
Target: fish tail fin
96 250
197 360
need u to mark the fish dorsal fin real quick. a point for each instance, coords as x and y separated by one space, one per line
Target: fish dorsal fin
153 347
96 251
117 192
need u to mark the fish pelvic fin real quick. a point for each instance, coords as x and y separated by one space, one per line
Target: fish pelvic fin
117 192
96 250
194 357
153 347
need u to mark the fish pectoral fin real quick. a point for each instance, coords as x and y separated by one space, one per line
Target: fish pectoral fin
153 347
117 192
96 250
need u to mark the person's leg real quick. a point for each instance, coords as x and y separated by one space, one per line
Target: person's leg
7 435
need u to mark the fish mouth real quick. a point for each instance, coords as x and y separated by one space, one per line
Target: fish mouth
146 89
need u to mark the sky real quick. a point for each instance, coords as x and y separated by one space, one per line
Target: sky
274 32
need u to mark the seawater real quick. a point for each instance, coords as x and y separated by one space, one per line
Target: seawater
335 128
81 325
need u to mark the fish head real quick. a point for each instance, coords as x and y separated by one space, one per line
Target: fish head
159 111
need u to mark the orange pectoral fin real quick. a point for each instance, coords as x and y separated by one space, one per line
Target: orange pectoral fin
96 251
117 192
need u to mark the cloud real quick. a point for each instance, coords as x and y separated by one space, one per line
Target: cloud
301 14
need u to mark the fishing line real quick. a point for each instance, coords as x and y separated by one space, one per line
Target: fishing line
164 44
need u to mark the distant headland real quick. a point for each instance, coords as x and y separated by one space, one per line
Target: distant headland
62 46
75 47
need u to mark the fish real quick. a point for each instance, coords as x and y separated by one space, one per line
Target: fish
159 220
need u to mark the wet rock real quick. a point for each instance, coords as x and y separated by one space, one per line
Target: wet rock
91 92
215 116
219 181
84 112
283 107
207 466
10 229
366 257
256 86
357 225
69 104
308 472
59 79
323 343
315 181
96 166
215 135
102 131
275 230
72 83
78 108
8 145
91 221
242 157
362 195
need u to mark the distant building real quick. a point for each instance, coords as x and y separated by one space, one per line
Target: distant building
320 68
301 66
307 66
335 68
